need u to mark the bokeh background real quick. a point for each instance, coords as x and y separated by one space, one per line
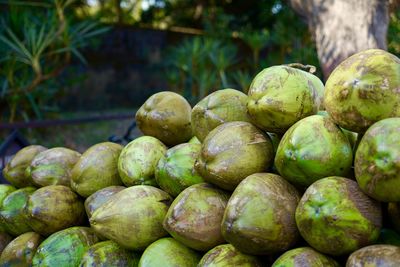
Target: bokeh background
73 73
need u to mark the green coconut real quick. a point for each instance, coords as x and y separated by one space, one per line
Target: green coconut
53 166
375 256
12 212
217 108
228 255
21 250
133 217
97 168
195 216
168 252
94 201
304 257
313 148
5 239
233 151
175 171
335 217
14 171
166 116
53 208
108 253
5 190
138 161
259 217
279 96
364 89
64 248
377 161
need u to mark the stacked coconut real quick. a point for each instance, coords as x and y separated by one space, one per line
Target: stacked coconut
268 178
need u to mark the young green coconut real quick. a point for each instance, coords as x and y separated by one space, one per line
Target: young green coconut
279 96
97 168
166 116
259 217
108 253
217 108
335 217
14 171
168 252
228 255
364 89
377 161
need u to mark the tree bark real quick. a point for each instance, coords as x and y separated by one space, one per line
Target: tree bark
342 28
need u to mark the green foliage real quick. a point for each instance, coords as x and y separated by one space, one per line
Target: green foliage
234 49
394 33
37 41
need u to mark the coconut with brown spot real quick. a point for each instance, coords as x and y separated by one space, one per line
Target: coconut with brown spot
304 257
364 89
335 217
53 166
12 213
97 168
167 252
375 256
195 216
377 161
279 96
138 160
53 208
166 116
312 149
97 199
217 108
259 217
233 151
20 251
15 170
133 217
228 255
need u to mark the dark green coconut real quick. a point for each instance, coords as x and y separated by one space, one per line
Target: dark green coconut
21 250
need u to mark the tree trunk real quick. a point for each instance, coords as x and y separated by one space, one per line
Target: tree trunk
342 28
